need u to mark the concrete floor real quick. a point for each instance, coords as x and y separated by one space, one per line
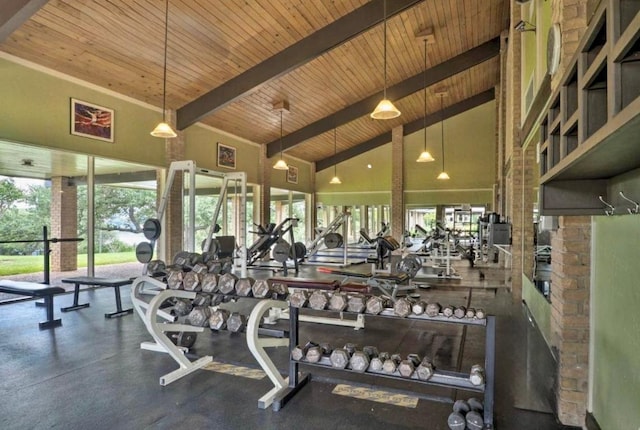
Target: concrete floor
91 373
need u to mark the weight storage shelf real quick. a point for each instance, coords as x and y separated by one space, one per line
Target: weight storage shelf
442 378
455 380
588 134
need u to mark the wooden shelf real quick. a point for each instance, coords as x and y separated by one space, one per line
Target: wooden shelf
441 378
595 139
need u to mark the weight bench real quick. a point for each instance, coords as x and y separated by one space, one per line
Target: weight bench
98 282
34 289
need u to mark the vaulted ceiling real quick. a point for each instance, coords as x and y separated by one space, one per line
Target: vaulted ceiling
229 61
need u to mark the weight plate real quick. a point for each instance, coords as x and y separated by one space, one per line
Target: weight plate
409 265
144 252
151 229
333 240
299 250
281 251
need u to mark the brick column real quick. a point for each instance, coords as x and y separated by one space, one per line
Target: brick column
570 261
265 169
312 209
514 163
501 115
173 228
570 296
397 183
572 17
522 181
64 224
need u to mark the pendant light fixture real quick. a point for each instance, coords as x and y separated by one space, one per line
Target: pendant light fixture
385 109
281 164
443 175
425 156
163 129
335 180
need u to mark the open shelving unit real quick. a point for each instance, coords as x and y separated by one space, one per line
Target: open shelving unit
282 392
589 133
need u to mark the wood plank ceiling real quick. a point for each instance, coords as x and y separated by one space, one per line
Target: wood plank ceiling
118 44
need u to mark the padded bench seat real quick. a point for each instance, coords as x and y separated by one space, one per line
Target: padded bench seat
115 283
33 289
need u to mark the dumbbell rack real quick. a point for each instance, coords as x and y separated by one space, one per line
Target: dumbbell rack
457 380
150 311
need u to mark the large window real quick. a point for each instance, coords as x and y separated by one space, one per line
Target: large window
288 204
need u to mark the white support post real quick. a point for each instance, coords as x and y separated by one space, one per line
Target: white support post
149 312
257 344
276 314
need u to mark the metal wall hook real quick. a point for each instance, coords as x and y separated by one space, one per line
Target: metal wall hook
635 204
611 209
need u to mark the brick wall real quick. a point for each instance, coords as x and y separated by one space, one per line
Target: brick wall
501 114
516 205
174 229
572 17
64 224
397 184
265 188
570 297
570 260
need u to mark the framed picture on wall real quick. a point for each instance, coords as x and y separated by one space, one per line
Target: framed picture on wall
91 120
226 156
292 174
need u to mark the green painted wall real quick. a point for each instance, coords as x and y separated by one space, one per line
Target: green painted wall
534 43
35 109
539 306
305 172
448 197
469 160
201 146
360 185
529 57
469 145
615 300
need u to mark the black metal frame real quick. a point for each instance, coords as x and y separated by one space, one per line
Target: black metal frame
441 378
99 282
47 248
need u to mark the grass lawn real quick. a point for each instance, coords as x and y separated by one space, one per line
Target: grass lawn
19 264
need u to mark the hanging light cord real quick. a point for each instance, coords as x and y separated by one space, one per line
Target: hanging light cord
335 150
164 77
442 129
424 84
281 133
384 20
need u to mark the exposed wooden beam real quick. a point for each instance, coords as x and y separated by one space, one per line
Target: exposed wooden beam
412 127
13 13
298 54
402 89
116 178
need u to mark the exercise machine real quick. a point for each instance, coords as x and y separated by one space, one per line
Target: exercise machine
273 239
190 172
